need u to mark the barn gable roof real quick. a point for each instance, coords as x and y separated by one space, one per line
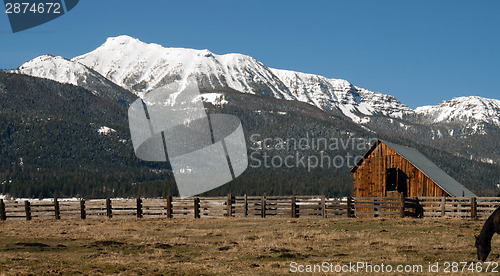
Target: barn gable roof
426 166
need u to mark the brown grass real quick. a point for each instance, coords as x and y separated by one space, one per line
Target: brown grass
228 246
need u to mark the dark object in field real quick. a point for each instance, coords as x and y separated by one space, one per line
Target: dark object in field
162 245
105 243
32 244
483 241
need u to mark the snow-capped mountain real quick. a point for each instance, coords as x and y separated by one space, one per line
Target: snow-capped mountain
331 94
147 66
66 71
273 101
56 68
463 109
140 67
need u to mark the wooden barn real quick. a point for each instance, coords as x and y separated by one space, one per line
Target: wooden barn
389 170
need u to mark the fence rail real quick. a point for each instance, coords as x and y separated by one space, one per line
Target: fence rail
249 206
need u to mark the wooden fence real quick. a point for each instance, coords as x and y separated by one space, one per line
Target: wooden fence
386 207
250 206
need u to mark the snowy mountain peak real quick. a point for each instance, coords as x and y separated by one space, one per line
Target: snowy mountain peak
330 94
55 68
462 109
141 67
123 39
66 71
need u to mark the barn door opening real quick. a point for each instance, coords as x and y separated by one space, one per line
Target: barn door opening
396 180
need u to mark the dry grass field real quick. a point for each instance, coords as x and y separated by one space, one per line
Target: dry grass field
229 246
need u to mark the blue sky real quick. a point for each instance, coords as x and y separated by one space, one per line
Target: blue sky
421 52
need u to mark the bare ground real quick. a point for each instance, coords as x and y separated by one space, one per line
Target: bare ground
230 246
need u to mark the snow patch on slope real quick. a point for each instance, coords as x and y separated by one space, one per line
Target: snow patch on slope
217 99
104 130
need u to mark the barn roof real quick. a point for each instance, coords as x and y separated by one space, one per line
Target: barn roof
426 166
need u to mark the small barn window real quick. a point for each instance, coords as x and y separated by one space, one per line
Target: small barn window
396 180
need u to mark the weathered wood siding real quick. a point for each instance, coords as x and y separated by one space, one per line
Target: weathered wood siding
370 177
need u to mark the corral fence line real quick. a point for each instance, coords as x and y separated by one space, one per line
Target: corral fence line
249 206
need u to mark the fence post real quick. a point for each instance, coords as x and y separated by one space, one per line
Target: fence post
323 206
294 208
196 207
246 206
27 209
419 210
376 210
263 207
402 209
109 212
443 206
56 208
229 205
459 207
139 208
83 214
473 208
349 207
3 216
169 207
